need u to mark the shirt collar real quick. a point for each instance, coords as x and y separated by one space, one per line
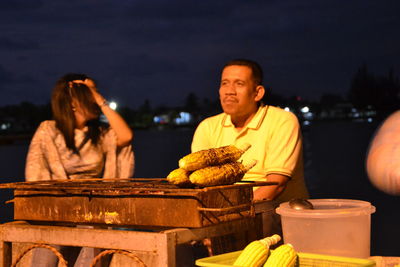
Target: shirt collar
255 122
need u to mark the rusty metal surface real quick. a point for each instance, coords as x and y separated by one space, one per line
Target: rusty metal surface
131 202
121 186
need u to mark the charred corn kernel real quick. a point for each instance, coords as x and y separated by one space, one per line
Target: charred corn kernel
179 177
213 156
256 253
282 256
224 174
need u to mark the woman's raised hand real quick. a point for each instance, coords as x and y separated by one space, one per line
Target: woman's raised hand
92 86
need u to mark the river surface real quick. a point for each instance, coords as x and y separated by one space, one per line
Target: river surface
334 154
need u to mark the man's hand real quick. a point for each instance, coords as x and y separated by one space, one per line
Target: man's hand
271 192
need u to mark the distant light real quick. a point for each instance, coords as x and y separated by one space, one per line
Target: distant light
113 105
305 109
103 118
308 115
370 120
157 119
161 119
287 108
184 118
5 126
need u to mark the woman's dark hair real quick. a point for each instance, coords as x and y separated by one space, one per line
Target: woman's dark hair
254 66
61 103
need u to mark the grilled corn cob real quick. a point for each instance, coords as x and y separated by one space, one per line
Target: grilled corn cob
282 256
213 156
179 177
256 253
224 174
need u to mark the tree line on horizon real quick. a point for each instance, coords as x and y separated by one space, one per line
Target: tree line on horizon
366 91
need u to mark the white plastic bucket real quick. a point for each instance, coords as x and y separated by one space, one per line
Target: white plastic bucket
338 227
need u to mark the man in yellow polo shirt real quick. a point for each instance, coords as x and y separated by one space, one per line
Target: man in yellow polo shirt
274 134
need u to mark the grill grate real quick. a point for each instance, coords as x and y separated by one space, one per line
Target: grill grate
122 186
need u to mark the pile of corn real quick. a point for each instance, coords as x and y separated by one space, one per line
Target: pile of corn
258 253
215 166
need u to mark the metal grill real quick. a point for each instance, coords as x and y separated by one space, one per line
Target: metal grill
139 202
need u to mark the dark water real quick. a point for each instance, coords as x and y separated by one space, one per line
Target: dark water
334 164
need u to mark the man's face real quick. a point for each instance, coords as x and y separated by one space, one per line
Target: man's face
237 92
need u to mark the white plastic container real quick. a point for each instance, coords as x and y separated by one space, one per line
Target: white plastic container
338 227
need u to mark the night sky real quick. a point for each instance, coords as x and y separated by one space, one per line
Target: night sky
162 50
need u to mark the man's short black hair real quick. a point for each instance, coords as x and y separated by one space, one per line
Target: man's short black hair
254 66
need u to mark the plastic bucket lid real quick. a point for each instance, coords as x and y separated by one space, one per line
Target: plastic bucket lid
328 208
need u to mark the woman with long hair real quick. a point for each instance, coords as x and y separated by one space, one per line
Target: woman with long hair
77 144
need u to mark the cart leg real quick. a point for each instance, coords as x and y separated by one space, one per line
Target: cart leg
5 254
168 250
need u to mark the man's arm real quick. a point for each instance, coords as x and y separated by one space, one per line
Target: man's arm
272 191
284 154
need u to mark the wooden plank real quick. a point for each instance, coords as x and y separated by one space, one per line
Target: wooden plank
184 235
5 251
167 249
72 236
6 254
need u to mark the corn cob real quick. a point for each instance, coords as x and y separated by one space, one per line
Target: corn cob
213 156
179 177
282 256
224 174
256 253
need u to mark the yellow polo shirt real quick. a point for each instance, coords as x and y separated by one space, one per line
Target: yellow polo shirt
276 144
